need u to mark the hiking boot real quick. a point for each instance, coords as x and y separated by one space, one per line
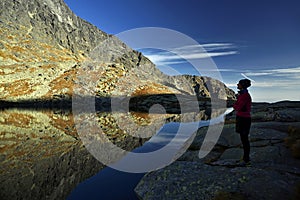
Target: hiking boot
243 163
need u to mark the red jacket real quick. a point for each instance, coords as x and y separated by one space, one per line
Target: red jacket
243 104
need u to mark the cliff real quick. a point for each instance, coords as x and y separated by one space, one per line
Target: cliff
43 45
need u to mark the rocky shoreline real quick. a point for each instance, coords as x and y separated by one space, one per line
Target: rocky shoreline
42 156
273 174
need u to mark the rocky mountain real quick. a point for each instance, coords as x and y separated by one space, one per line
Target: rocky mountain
44 48
43 45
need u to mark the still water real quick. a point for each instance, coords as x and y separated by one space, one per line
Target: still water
42 155
110 183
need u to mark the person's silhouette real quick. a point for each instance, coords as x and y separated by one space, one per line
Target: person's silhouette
243 116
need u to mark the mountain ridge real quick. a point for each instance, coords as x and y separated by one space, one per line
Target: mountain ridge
44 44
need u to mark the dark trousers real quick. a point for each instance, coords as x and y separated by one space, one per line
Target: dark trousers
246 146
243 128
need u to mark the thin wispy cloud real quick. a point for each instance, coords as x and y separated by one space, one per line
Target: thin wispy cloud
258 73
272 78
287 70
218 46
276 84
181 54
221 70
168 58
205 47
288 73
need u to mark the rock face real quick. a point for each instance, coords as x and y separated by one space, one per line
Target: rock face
50 22
200 85
43 44
273 174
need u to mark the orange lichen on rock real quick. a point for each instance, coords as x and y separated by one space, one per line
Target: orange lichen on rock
5 148
20 47
63 84
151 88
16 119
17 68
17 88
63 121
6 55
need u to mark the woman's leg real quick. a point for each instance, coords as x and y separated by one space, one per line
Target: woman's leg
246 145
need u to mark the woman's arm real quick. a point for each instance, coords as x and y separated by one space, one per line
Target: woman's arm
240 103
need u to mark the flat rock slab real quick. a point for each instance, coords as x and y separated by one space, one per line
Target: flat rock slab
257 133
228 137
273 173
193 180
227 163
232 153
257 154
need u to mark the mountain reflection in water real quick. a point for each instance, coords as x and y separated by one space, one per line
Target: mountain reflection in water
110 183
42 155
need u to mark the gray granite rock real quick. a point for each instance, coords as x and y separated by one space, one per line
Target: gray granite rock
284 111
229 138
193 180
232 153
273 173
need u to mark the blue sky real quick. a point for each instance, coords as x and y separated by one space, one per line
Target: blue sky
256 39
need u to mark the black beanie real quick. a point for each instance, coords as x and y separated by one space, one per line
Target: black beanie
245 83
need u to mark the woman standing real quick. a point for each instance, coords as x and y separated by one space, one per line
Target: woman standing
243 116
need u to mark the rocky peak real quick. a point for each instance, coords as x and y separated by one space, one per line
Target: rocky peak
43 45
52 22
